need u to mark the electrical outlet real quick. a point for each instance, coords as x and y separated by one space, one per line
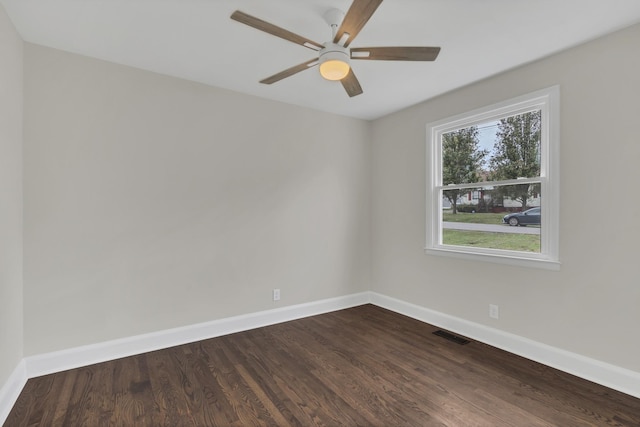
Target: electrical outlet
494 311
276 294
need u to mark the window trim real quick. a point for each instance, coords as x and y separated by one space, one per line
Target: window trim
548 101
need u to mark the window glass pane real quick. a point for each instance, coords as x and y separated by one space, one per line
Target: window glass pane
503 217
496 150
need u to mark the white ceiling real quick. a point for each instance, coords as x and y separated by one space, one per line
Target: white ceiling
196 40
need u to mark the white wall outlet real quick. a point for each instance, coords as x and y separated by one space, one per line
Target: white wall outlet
276 294
494 311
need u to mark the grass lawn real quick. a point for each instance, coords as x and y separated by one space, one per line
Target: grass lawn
483 239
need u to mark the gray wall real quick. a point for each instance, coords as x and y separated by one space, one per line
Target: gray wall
591 306
10 198
153 202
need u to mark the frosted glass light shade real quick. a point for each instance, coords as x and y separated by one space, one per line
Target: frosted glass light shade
334 69
334 64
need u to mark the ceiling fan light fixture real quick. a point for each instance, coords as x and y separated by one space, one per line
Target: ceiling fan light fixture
334 62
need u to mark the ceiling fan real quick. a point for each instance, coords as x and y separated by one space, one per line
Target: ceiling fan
334 56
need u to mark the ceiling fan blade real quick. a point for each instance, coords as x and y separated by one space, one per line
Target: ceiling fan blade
396 53
290 72
356 17
351 84
274 30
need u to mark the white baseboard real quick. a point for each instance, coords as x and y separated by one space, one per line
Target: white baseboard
11 390
48 363
608 375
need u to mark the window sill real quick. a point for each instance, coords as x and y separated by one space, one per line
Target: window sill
514 260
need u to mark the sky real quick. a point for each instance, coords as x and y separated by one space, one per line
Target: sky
487 135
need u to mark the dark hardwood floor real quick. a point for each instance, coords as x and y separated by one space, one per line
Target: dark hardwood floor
361 366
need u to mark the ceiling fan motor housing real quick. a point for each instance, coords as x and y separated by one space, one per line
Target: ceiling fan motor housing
334 61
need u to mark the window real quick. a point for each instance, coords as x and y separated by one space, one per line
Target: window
493 189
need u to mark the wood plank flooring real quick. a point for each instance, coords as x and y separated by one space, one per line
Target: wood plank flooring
363 366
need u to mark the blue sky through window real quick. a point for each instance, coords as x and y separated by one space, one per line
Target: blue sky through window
487 135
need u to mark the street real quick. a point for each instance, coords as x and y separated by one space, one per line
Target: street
495 228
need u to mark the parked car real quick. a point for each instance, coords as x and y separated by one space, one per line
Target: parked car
528 217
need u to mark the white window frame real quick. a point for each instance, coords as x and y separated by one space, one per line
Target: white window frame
548 102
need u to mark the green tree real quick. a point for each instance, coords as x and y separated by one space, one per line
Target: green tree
516 154
462 159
